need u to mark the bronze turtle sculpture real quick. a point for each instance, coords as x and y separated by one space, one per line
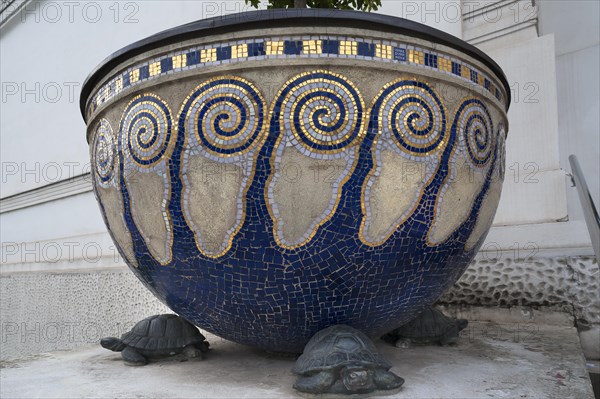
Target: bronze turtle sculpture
430 327
343 360
158 336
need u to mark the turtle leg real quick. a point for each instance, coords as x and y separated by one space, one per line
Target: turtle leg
448 340
452 335
133 357
202 346
386 380
316 383
192 352
403 343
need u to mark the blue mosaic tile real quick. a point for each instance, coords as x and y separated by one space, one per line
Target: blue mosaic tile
399 54
223 53
256 49
473 76
366 49
125 78
431 60
456 68
144 72
292 47
193 58
166 64
331 46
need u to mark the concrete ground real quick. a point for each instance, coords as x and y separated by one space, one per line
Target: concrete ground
490 361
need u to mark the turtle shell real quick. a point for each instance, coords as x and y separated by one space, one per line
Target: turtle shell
431 323
338 346
162 332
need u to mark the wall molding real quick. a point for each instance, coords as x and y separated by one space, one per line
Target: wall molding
493 20
503 32
65 188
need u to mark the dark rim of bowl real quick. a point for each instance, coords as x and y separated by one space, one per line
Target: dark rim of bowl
282 18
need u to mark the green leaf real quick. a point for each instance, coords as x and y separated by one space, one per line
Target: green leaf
360 5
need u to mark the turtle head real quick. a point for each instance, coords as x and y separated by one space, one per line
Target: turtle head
357 379
113 344
462 324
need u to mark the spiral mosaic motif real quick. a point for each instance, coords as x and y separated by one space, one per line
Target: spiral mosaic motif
326 112
226 114
413 112
105 153
146 130
475 128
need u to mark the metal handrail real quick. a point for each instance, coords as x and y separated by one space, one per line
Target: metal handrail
590 213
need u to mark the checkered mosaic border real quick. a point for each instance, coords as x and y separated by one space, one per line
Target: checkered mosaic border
291 47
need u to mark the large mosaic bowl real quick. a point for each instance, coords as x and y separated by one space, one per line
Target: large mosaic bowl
273 173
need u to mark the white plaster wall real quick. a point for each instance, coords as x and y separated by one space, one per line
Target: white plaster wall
534 187
445 15
71 216
574 23
577 64
49 49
